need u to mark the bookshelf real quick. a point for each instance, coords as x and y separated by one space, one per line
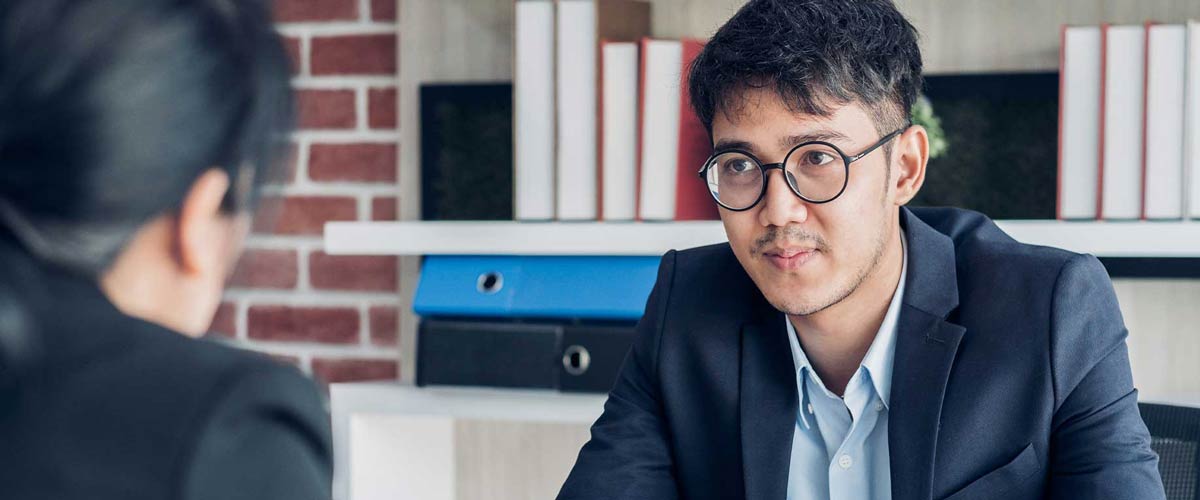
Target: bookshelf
466 41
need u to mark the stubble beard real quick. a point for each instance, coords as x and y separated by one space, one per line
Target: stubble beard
864 272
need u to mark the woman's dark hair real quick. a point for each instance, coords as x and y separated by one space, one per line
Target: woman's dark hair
816 54
111 109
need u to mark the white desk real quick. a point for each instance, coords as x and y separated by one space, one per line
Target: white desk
401 442
1175 399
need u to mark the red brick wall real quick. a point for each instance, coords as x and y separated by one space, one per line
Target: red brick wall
333 316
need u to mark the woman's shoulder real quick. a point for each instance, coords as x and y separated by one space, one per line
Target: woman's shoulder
158 410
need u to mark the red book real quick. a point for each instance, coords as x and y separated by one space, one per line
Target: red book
692 199
673 143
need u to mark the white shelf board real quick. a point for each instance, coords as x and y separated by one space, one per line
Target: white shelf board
1103 239
518 238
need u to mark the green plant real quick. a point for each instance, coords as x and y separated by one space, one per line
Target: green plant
923 115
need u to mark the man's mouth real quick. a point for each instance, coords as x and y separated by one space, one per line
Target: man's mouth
790 258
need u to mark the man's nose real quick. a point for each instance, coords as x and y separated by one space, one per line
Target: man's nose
780 205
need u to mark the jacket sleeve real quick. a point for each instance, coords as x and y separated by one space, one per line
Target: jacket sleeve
1099 447
266 438
628 455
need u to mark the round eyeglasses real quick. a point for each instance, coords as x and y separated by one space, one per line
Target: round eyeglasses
816 171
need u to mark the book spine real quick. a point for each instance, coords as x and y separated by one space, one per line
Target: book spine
1062 107
692 200
600 130
1103 98
641 116
1145 114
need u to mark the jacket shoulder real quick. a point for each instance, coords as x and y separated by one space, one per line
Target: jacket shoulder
980 245
709 282
707 267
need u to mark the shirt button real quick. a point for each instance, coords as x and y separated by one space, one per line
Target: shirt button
845 461
879 406
810 410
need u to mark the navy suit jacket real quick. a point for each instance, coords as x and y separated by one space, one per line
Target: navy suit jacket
1011 380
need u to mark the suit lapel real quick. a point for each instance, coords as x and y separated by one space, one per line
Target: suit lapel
925 349
767 406
926 345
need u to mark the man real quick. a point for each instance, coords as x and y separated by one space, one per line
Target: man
842 346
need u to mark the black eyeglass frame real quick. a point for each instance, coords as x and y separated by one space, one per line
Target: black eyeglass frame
765 169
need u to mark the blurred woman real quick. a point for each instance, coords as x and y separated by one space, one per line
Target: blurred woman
133 137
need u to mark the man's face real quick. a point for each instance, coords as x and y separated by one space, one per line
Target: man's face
805 257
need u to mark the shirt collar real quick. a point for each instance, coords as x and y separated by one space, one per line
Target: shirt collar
881 355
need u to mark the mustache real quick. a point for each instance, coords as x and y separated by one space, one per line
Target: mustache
788 234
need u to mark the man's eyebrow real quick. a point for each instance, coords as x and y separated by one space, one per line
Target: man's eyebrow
785 143
727 144
827 135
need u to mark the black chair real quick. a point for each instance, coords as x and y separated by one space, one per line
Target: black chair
1175 436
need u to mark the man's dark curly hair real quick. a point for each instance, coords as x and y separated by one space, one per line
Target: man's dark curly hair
817 54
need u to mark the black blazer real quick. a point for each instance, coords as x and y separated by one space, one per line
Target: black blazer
98 405
1011 380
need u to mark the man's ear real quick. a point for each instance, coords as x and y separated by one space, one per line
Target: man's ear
199 229
912 153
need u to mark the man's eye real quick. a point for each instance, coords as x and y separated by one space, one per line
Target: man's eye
817 158
738 166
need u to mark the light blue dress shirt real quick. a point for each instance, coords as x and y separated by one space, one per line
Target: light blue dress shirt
840 445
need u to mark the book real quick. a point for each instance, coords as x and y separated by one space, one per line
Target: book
1078 123
580 25
1122 102
1163 190
1191 143
461 124
674 144
618 130
533 110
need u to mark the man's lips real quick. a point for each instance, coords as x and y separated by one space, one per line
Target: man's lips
789 258
788 252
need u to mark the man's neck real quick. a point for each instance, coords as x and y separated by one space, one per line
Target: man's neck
836 339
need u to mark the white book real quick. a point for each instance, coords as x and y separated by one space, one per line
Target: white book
1124 77
1164 121
533 110
1079 116
576 69
619 135
660 128
1191 143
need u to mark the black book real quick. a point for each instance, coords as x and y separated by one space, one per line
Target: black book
466 151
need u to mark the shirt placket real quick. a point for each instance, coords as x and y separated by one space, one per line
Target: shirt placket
849 469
